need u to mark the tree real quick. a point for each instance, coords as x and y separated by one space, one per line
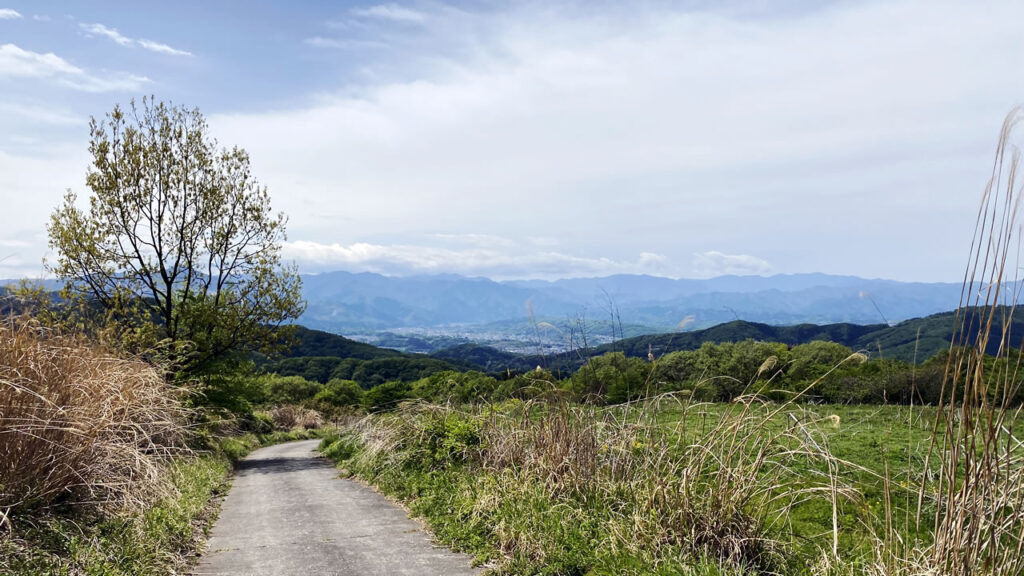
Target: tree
179 239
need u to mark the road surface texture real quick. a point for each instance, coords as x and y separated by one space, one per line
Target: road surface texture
289 514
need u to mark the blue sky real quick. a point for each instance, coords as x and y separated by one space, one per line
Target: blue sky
546 139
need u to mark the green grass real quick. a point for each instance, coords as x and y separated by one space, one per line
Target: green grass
867 443
163 539
156 541
554 507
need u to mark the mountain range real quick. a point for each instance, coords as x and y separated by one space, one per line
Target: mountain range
317 354
429 313
365 303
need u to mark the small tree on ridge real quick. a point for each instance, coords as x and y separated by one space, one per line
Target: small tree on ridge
178 240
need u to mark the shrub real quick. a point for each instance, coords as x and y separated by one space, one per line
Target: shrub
78 424
290 417
257 423
386 396
339 392
611 378
282 390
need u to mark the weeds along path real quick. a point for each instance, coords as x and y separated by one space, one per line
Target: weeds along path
289 514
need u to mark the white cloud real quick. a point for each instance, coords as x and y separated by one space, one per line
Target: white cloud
35 184
481 240
392 12
344 43
615 130
19 63
42 114
472 261
121 39
9 14
714 263
41 18
162 48
111 33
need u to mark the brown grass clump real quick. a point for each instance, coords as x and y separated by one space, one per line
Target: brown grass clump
973 488
291 417
77 424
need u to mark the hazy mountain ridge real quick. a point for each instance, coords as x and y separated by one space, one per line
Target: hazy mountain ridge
366 302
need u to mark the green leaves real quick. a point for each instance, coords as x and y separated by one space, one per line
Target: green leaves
179 239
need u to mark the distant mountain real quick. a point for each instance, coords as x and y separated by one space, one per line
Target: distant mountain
367 303
49 285
912 340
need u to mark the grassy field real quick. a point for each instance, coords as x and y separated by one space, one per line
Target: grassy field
661 487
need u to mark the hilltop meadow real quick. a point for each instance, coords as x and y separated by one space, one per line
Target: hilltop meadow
171 351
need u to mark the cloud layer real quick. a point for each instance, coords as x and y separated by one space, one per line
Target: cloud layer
663 130
118 38
560 138
497 261
16 62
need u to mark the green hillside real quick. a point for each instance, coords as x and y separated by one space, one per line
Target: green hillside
322 356
913 340
319 343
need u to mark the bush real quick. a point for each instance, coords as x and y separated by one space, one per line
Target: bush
78 424
386 396
257 423
338 393
611 378
460 387
280 390
236 390
291 417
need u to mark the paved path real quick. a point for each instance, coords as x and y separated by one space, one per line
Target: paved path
288 514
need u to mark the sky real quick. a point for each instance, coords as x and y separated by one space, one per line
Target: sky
545 139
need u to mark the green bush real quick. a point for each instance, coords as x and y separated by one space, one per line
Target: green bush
386 396
280 390
459 387
338 392
450 438
612 378
257 423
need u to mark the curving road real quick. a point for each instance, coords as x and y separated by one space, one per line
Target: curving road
288 514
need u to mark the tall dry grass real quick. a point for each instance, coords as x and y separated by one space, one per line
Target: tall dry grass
971 489
707 486
79 425
291 417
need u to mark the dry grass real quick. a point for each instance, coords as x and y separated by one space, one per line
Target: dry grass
79 425
973 491
715 490
292 417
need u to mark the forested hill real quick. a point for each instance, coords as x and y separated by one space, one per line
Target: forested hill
318 343
912 340
322 356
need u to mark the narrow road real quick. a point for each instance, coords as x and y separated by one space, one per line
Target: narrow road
289 514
